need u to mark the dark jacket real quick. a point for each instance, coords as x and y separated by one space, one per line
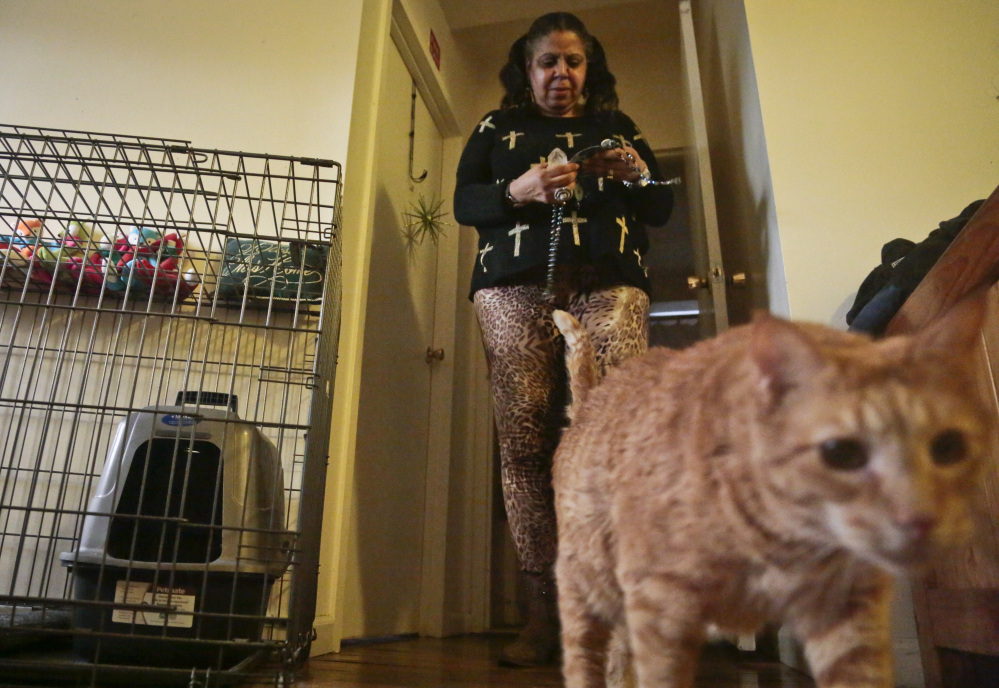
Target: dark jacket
904 263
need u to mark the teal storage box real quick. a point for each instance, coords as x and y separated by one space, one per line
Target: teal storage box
285 271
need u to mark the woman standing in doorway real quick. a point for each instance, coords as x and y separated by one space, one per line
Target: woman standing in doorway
560 94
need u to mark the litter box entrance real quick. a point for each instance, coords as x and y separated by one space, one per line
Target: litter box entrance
170 480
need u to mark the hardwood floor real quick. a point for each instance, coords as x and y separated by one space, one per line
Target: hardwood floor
470 662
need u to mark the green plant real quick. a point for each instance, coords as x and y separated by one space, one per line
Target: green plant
424 219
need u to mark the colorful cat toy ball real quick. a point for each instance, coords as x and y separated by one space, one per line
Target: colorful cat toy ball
172 245
77 234
169 249
138 244
142 237
111 278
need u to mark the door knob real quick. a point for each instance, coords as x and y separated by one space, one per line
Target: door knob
696 283
738 279
434 355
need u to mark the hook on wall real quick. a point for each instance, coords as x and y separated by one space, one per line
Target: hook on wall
412 135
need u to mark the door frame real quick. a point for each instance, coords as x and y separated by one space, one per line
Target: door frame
384 22
437 485
701 189
471 541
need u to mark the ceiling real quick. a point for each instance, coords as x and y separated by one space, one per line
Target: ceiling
485 29
466 14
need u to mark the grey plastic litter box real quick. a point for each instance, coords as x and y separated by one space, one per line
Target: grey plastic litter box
188 517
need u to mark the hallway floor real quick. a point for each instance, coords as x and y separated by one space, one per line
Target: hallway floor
470 661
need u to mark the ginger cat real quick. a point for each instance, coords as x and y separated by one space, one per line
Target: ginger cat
780 472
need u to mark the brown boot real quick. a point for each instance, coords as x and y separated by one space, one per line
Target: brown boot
539 643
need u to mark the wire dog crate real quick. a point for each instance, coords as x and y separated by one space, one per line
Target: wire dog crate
168 327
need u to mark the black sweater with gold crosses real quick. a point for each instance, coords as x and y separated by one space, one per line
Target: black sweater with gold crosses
605 228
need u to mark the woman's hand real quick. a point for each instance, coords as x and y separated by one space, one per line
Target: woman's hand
620 164
539 184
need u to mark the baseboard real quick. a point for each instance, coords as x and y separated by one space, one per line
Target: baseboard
327 637
457 623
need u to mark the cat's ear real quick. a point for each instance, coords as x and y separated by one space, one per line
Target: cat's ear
956 332
784 355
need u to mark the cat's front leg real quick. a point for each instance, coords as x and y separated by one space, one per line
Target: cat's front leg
620 668
665 629
851 648
585 639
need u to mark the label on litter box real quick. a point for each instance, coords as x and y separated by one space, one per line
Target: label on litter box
176 419
135 592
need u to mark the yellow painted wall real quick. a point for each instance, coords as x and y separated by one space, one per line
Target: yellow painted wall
250 75
881 120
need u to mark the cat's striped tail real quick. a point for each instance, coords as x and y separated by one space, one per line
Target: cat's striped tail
580 359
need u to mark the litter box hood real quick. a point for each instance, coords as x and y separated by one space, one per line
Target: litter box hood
191 488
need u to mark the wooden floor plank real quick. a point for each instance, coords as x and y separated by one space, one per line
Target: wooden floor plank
470 662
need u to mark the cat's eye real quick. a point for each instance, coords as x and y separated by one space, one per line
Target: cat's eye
844 454
949 447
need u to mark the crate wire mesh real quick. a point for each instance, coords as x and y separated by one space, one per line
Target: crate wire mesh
168 326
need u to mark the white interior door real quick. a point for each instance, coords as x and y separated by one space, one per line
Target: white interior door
385 548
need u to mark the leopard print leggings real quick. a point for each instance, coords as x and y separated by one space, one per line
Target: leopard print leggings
524 351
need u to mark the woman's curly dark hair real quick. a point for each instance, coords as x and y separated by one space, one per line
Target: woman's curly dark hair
600 83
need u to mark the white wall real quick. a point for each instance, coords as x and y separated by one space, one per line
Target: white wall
881 120
250 75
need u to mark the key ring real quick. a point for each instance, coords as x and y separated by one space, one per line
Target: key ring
561 197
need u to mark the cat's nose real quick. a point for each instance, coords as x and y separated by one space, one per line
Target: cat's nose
918 526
